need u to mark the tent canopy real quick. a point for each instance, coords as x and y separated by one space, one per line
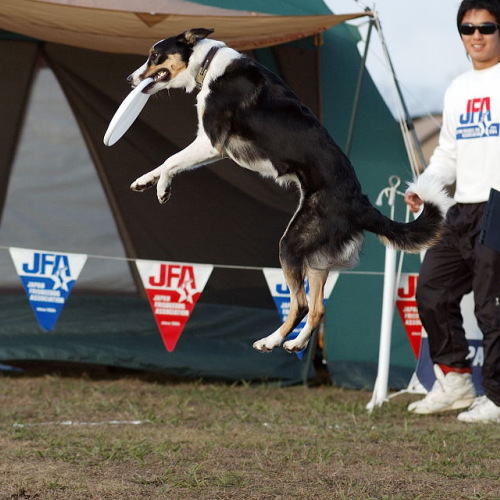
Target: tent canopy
117 27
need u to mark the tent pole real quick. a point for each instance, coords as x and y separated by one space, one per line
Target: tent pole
309 355
359 83
411 140
380 389
412 145
318 42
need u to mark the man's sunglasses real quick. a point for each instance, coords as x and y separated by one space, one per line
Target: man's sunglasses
484 28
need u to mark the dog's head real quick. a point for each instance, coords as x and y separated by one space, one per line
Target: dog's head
168 62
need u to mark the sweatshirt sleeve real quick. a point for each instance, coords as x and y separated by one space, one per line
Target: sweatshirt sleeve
442 164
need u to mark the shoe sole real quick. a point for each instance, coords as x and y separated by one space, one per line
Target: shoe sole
473 420
480 421
456 405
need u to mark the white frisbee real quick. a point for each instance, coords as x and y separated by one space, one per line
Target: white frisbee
127 113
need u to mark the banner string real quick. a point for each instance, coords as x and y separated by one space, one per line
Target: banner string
219 266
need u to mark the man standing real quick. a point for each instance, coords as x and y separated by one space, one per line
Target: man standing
468 155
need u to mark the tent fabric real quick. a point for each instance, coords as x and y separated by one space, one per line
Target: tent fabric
153 7
55 199
121 332
220 214
15 85
132 32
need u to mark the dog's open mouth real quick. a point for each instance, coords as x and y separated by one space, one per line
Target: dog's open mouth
160 75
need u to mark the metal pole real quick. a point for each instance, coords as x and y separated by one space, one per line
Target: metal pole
410 128
380 390
359 83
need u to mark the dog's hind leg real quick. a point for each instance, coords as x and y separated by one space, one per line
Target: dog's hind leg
317 279
298 309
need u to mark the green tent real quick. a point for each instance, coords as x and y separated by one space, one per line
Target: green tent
219 214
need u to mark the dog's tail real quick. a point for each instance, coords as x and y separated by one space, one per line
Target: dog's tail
420 233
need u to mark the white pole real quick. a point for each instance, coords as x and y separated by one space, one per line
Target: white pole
380 389
379 395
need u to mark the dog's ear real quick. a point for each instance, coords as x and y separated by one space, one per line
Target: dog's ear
194 35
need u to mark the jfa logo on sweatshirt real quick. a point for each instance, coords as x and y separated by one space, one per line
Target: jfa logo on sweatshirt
476 122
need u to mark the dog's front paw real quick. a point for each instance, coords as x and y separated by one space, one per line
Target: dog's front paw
163 188
164 196
144 182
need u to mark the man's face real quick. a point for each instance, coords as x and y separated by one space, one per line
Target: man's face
484 50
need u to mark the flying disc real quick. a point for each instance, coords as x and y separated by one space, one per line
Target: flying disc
127 113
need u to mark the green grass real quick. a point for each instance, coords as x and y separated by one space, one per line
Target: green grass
215 441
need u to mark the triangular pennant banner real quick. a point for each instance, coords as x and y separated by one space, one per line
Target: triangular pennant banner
406 304
48 278
173 288
281 295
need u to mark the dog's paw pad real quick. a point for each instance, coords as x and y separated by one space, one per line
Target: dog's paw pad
165 195
141 187
143 183
292 347
261 346
137 187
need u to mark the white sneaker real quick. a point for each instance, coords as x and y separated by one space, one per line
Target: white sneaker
453 391
482 410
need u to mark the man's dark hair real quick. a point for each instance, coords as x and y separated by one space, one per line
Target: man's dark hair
492 6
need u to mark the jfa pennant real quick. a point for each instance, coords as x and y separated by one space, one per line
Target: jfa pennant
406 304
281 295
173 289
47 278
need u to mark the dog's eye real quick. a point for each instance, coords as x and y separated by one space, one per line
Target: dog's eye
153 56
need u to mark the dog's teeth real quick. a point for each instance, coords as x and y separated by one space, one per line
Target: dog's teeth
160 75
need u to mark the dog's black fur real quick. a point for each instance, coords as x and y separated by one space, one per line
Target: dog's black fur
247 113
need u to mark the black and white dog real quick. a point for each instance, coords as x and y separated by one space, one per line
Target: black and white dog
248 114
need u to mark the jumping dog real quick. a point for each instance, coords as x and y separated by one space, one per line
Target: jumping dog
247 113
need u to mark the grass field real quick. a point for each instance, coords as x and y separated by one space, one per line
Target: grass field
126 438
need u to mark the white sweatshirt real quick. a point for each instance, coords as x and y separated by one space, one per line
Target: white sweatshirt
469 144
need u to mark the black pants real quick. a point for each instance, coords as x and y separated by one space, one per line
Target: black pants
455 266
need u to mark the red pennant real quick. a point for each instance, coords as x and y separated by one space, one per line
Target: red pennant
173 289
408 311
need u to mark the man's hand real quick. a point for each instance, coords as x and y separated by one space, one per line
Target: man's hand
413 201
